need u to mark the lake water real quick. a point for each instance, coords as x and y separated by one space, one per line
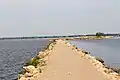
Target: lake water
108 50
15 53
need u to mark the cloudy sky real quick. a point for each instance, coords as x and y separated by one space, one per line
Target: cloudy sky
58 17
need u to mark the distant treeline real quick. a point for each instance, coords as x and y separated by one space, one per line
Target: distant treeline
69 36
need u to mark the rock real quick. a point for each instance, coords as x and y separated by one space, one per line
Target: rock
43 54
50 47
35 71
99 59
29 69
28 75
116 70
31 78
114 73
20 75
86 52
22 78
108 67
106 70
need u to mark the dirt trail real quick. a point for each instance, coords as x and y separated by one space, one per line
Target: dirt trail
65 64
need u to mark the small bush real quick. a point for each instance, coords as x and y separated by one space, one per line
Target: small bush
35 61
99 34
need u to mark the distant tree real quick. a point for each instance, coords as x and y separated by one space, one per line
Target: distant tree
99 34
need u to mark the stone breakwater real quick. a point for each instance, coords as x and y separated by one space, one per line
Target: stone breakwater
31 71
96 62
37 64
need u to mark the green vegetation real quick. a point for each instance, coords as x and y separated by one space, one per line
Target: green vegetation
38 61
99 34
35 61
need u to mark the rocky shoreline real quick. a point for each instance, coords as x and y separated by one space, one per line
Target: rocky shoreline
98 63
32 71
37 64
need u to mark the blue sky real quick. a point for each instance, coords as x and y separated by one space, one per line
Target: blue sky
58 17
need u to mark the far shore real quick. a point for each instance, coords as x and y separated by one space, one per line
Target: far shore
85 38
80 37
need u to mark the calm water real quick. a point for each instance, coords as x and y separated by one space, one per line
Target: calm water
15 53
108 50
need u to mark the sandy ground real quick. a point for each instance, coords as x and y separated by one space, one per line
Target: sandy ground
65 64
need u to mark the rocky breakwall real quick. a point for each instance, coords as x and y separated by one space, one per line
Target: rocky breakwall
36 65
98 63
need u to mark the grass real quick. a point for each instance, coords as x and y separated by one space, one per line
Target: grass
35 61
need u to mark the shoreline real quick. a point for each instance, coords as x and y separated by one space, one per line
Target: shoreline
89 38
98 63
31 71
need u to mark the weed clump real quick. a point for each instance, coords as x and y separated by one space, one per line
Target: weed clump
35 61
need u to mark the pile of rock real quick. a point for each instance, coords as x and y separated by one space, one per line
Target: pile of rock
98 63
30 72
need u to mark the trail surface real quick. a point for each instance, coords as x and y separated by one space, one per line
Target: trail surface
66 64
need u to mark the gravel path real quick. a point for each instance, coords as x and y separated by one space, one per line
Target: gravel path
65 64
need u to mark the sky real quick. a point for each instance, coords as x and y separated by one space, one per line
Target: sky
58 17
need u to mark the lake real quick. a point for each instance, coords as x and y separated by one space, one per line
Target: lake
107 49
15 53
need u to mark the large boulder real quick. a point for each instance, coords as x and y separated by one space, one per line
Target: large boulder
28 74
22 78
85 52
29 69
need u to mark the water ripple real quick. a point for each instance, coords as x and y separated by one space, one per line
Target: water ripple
14 54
